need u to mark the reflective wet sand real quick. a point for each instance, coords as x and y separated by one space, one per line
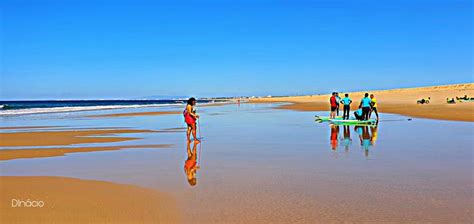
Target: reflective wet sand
68 200
257 164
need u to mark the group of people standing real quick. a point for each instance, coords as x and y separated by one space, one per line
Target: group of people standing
364 112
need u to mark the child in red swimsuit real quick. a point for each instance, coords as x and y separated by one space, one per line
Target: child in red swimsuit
190 165
190 118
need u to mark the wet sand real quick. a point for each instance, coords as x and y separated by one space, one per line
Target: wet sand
28 127
151 113
70 200
396 101
67 137
9 154
258 165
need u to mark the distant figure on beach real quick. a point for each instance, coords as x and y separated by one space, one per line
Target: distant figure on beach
365 104
333 103
338 100
358 114
190 118
190 165
423 101
346 101
373 105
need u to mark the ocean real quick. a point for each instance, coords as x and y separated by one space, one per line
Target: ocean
55 106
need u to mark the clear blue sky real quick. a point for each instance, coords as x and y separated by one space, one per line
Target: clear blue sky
128 49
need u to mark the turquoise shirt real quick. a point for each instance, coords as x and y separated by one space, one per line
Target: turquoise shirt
346 101
366 102
359 112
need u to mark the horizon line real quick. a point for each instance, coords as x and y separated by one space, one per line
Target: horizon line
239 96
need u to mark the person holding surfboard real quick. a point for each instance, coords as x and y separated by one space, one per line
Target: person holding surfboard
346 101
333 102
190 118
365 104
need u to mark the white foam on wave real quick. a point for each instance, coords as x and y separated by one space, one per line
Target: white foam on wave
74 109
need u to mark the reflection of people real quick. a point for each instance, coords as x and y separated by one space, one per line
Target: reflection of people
334 136
190 165
347 137
373 139
364 137
190 118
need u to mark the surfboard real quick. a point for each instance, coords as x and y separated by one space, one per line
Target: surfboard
323 118
353 122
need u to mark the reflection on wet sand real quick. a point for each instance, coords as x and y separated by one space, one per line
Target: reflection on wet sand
191 164
334 137
367 136
347 141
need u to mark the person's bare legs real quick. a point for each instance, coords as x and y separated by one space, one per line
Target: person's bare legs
196 140
188 133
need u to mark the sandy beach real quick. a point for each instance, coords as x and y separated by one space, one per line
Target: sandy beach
152 113
396 101
219 112
71 200
7 154
277 166
68 137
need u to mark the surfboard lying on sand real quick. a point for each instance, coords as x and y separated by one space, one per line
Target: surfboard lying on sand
353 122
323 118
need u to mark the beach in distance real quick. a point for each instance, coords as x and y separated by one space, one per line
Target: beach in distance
397 101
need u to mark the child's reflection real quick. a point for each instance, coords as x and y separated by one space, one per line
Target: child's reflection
190 165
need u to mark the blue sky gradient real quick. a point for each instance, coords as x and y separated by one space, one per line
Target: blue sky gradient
129 49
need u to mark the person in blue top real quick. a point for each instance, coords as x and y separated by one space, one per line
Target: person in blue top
346 101
365 103
358 114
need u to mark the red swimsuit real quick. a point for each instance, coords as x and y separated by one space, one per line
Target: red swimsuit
190 120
